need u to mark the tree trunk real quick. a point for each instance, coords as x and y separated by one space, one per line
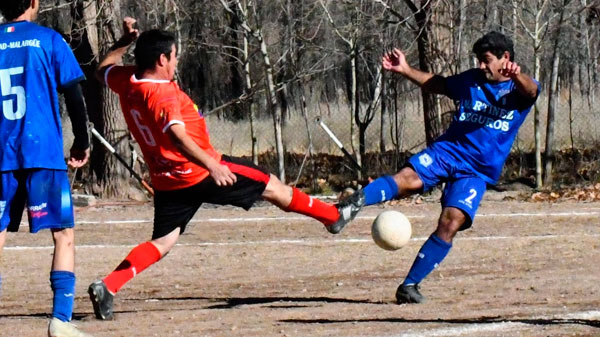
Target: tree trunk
248 91
383 123
430 114
112 179
355 111
552 102
460 40
536 110
274 107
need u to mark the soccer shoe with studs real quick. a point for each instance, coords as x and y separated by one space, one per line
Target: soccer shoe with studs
58 328
102 300
409 294
347 209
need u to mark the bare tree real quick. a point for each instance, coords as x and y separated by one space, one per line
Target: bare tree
552 96
537 32
256 31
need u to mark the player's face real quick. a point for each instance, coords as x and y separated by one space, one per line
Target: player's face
172 64
490 65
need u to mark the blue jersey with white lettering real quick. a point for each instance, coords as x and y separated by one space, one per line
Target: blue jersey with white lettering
35 62
486 123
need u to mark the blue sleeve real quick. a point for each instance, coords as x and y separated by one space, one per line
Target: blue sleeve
457 86
65 65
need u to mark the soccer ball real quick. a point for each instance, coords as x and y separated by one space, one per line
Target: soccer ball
391 230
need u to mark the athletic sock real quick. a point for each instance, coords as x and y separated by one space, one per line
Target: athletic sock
379 190
63 287
433 251
140 258
304 204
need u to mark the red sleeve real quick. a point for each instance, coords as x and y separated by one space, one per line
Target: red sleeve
117 76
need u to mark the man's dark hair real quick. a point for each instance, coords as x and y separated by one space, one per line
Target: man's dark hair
150 45
496 43
14 8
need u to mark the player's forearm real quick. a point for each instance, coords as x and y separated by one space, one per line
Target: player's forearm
526 85
186 145
427 81
78 115
114 56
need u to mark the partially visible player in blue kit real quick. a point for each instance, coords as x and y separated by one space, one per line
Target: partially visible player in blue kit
493 101
36 63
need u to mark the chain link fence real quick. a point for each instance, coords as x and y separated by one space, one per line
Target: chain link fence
577 125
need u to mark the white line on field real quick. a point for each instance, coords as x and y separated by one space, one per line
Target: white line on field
314 242
594 314
464 330
365 217
469 329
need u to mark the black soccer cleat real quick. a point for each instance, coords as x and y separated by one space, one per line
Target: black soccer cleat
102 300
347 209
409 294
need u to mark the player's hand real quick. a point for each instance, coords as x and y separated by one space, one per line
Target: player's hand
222 175
78 158
394 61
510 69
129 31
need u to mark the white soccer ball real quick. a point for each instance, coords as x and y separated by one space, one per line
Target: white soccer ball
391 230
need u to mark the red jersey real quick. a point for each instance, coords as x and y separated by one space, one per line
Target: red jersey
150 107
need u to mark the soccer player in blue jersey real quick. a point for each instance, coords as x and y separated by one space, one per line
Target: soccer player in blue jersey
35 63
493 101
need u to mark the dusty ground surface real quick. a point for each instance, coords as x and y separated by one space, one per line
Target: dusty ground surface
524 269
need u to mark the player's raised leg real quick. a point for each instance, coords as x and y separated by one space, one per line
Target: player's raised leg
384 188
291 199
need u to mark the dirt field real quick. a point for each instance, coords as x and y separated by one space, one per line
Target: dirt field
525 269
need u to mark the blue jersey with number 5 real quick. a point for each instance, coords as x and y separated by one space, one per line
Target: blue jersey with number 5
35 62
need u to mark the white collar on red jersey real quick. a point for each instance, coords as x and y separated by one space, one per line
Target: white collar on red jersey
147 80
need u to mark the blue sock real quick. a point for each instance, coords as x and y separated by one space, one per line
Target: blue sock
433 251
381 189
63 286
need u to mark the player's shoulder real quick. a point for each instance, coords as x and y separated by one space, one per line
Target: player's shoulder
121 71
472 73
42 32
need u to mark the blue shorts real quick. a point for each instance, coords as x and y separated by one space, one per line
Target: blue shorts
45 192
464 189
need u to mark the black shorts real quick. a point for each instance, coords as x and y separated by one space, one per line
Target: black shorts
176 208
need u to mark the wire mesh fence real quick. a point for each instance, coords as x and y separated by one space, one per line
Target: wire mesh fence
577 125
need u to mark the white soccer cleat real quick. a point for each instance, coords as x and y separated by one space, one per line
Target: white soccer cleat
58 328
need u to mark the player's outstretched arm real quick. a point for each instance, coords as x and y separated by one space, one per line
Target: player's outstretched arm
130 34
186 145
395 61
525 84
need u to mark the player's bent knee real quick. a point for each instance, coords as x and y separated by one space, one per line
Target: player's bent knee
165 244
450 222
408 180
63 236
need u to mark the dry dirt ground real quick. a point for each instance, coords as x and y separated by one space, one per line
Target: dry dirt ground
524 269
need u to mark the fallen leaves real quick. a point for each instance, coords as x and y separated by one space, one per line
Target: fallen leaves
587 193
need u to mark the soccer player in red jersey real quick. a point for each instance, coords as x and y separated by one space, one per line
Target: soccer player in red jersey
185 169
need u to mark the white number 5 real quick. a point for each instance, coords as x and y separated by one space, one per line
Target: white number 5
8 89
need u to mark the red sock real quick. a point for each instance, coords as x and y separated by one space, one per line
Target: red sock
140 258
304 204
